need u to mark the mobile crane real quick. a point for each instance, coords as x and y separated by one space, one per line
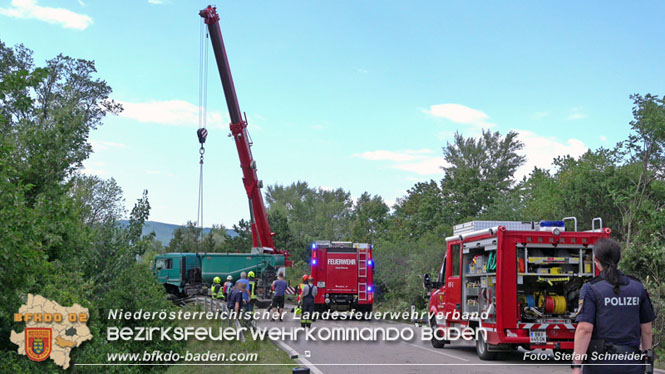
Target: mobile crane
186 273
261 234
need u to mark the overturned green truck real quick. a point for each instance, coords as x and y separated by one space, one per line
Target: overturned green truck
191 274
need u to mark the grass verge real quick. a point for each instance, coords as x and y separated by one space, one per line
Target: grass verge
268 353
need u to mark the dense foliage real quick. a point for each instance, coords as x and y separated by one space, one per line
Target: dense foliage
59 235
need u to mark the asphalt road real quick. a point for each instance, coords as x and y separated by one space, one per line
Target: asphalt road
400 356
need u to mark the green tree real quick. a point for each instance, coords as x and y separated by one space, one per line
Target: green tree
580 187
240 243
419 212
285 238
50 111
644 156
312 214
185 238
370 216
100 200
59 236
478 172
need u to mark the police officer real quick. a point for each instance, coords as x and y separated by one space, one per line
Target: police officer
614 318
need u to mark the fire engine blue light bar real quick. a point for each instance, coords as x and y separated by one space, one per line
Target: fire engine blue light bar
369 288
313 261
313 246
370 262
552 224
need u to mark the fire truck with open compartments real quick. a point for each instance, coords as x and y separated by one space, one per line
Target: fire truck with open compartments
344 275
517 281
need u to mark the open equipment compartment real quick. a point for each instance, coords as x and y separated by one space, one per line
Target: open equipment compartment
479 278
549 280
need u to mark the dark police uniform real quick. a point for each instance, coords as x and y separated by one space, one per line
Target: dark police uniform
616 320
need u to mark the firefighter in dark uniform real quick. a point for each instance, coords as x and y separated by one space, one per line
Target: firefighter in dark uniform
614 319
309 292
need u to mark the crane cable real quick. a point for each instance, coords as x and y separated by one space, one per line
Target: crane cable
202 133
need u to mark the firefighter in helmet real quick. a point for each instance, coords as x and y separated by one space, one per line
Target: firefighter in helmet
298 308
308 294
228 285
300 287
217 289
252 291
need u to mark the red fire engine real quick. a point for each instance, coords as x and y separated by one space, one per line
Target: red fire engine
517 281
344 275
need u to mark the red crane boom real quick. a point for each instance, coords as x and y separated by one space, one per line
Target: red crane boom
261 234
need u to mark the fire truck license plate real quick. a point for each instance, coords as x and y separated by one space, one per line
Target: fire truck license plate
538 336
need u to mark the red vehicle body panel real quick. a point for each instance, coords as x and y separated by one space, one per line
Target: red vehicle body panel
343 273
507 329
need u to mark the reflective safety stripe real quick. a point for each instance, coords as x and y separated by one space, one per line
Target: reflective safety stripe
252 289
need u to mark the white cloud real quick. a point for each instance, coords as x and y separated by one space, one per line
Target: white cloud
540 151
417 161
101 145
539 115
385 156
94 168
326 188
419 151
603 138
426 166
171 112
382 155
391 202
576 114
28 9
460 114
158 2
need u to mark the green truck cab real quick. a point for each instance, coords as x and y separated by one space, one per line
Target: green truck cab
177 270
189 274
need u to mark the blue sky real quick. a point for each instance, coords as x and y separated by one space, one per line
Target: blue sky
358 95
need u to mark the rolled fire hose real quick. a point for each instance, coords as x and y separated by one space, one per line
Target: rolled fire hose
553 304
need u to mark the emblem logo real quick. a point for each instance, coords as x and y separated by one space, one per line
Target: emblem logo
38 343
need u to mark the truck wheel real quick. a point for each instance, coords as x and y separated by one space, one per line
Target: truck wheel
481 348
436 343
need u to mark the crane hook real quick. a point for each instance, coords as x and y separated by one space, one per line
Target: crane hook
202 133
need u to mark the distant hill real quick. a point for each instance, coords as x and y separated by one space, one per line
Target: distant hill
164 231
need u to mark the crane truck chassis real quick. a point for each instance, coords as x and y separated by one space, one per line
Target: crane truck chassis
517 281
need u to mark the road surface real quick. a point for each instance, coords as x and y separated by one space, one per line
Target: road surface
415 356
